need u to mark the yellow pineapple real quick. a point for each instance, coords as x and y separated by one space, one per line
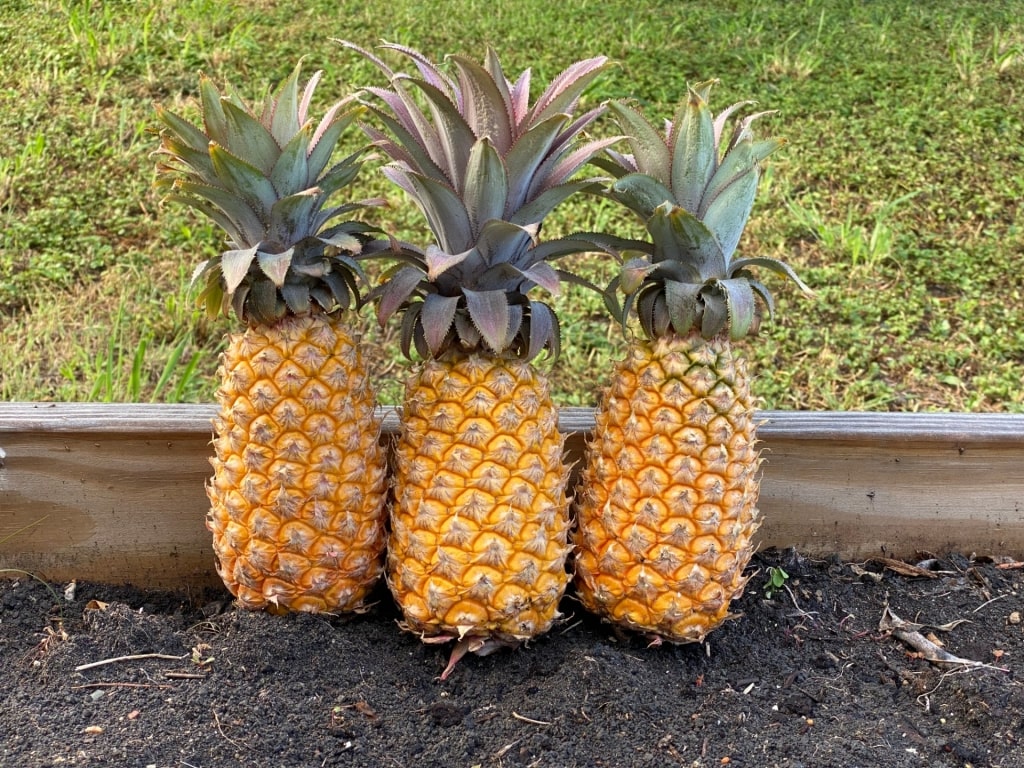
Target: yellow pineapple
668 501
297 496
479 537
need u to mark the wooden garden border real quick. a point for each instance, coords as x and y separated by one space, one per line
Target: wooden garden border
115 493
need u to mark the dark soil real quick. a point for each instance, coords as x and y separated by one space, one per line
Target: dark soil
807 678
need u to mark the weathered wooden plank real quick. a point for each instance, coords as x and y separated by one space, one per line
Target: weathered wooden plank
115 493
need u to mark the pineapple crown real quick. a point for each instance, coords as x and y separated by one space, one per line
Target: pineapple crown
695 197
264 179
485 166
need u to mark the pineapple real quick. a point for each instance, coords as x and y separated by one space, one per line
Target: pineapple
668 505
479 526
299 485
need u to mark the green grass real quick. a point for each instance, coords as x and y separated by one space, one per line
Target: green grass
897 197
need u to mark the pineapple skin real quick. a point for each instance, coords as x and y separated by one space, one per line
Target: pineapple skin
479 528
668 502
299 486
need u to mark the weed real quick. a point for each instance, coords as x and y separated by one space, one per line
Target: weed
775 582
864 246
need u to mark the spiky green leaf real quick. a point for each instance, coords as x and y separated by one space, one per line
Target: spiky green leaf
682 301
290 173
681 237
715 317
213 111
741 304
296 297
780 268
694 152
242 178
650 152
641 193
247 137
283 106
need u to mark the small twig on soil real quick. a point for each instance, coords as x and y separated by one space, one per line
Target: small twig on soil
997 597
227 738
185 676
504 750
801 612
571 627
119 685
530 720
134 657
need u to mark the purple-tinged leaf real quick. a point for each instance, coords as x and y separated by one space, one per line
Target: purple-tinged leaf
446 214
545 276
626 162
438 262
525 157
455 137
467 332
489 312
397 291
437 316
573 161
486 185
306 100
427 69
565 90
501 82
371 57
483 104
723 116
521 99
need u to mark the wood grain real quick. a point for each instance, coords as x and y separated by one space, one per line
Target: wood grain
114 493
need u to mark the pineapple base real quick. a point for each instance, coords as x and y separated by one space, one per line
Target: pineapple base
297 496
667 507
479 528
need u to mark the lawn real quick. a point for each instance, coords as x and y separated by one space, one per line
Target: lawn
897 197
